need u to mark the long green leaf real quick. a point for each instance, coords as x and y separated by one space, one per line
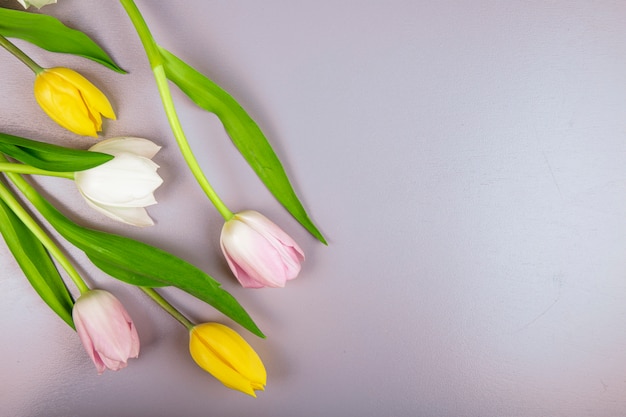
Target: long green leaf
143 265
243 131
50 157
139 263
36 264
51 34
197 284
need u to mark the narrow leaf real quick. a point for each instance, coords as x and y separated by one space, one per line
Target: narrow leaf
243 131
36 264
195 283
141 264
50 157
51 34
121 273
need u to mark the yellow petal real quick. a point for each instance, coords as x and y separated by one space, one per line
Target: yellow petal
63 103
238 353
90 93
220 351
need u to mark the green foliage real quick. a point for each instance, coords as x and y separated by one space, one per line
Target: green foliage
36 264
50 157
138 263
49 33
243 131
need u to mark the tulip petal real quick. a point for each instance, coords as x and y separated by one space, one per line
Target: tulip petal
224 373
88 345
105 329
222 352
242 276
271 231
126 181
134 336
72 101
37 3
63 104
253 254
137 146
89 92
135 216
259 252
94 115
235 351
122 187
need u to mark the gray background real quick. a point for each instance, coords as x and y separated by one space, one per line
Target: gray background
465 159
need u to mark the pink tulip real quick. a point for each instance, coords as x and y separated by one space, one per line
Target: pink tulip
259 253
106 330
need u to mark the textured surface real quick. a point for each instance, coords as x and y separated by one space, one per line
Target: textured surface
466 161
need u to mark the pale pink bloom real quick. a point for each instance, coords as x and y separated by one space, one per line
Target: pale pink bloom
105 329
259 253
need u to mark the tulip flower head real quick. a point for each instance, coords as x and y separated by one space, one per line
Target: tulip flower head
105 329
259 253
122 187
37 3
223 353
72 101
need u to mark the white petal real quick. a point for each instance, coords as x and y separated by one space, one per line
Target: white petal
136 216
137 146
37 3
125 181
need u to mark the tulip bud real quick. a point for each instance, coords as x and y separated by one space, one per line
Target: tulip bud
259 253
105 329
223 353
37 3
123 186
72 101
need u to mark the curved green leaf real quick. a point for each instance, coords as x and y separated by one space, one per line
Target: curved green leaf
243 131
139 263
51 34
195 283
36 264
50 157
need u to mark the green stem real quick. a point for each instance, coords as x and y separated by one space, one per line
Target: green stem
192 162
156 63
19 54
165 305
43 237
28 169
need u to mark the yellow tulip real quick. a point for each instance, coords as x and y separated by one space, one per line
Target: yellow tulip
72 101
223 353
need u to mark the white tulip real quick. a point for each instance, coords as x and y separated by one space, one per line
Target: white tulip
122 187
37 3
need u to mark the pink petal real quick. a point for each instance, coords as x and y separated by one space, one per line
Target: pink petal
253 254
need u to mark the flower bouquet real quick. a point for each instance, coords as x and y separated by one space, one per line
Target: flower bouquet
117 177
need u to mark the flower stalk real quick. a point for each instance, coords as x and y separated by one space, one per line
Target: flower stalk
67 97
165 305
43 237
156 63
219 350
31 170
19 54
